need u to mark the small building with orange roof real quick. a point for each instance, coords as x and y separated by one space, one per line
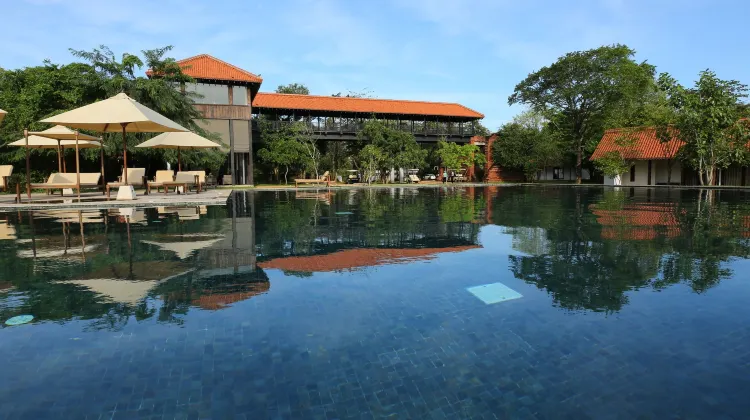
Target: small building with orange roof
649 158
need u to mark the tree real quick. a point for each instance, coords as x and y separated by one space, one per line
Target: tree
282 149
581 90
364 93
293 88
371 158
527 144
456 156
708 120
158 93
308 146
399 149
612 164
33 93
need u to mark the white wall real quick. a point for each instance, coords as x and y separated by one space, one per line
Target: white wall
660 170
641 175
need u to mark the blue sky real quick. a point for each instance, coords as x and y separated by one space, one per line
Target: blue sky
467 51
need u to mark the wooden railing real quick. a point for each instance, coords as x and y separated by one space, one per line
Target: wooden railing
353 127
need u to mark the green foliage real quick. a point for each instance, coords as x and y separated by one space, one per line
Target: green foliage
527 144
281 148
293 88
582 90
707 118
612 164
399 149
32 93
456 156
371 158
289 145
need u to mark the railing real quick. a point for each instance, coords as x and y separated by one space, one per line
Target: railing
352 127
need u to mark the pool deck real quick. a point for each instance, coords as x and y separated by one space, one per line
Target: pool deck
97 200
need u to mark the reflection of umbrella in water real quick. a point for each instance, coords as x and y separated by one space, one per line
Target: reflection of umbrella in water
183 249
124 291
7 231
129 283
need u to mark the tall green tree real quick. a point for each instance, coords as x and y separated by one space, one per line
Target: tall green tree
456 156
581 90
160 92
281 148
708 120
293 88
399 149
527 144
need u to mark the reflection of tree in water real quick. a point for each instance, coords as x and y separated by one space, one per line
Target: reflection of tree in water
387 218
600 245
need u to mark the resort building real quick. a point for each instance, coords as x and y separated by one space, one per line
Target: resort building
651 160
232 105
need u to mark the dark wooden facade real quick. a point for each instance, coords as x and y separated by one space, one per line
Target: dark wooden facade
345 126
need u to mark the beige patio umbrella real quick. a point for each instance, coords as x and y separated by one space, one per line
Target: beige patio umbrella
184 140
119 113
2 115
53 138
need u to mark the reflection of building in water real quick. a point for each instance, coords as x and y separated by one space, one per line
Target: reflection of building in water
530 240
183 213
642 221
352 259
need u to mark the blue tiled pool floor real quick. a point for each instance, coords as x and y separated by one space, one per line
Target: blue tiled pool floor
296 314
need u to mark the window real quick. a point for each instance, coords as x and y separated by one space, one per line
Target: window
632 173
557 173
239 95
211 94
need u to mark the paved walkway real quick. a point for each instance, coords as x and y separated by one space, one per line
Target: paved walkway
98 200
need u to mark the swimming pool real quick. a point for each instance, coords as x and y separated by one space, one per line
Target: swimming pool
495 302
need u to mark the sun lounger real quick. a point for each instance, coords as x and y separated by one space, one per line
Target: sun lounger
66 180
202 179
5 172
414 179
136 178
159 179
323 179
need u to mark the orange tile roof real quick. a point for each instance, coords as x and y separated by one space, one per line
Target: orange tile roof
205 66
638 221
362 105
216 301
645 145
351 259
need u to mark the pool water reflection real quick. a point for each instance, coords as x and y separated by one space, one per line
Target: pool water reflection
358 304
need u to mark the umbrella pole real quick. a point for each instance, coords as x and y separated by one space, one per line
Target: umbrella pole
124 153
65 164
28 165
83 238
78 170
59 156
101 158
179 160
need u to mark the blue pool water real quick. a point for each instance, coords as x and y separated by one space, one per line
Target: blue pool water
610 304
